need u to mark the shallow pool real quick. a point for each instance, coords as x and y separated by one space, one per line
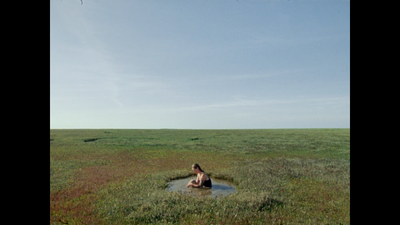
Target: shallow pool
220 188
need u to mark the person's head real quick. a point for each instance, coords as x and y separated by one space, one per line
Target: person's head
196 168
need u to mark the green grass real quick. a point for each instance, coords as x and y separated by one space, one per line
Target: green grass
283 176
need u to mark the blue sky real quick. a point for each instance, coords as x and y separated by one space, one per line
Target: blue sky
200 64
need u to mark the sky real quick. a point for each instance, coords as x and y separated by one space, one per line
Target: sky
199 64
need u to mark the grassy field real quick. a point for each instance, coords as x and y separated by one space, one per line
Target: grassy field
282 176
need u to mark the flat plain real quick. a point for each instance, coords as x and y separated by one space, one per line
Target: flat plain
119 176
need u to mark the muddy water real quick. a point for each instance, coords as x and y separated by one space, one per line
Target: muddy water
220 188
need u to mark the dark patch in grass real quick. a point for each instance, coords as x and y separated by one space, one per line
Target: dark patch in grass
270 204
194 139
51 139
63 221
294 174
90 139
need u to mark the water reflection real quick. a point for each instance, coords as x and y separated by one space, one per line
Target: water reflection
220 188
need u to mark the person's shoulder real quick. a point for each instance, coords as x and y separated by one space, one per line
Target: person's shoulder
204 174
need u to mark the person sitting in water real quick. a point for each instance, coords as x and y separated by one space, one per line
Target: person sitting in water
203 180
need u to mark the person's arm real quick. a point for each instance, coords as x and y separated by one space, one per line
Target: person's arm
190 183
198 178
194 182
199 182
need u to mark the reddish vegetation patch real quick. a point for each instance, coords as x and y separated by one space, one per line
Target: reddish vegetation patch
75 202
65 205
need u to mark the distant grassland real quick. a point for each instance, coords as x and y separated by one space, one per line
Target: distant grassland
283 176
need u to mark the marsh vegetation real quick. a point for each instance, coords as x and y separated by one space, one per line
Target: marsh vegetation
288 176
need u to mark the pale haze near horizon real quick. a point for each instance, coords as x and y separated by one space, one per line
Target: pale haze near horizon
200 64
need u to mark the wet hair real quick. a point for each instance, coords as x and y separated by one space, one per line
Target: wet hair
197 166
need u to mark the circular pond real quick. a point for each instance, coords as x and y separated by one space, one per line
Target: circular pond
220 188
